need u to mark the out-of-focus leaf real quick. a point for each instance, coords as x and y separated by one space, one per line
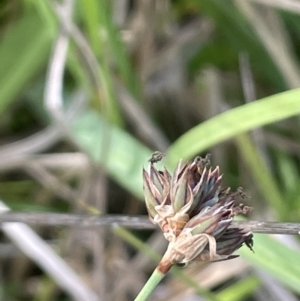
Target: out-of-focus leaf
23 52
287 171
275 258
104 40
261 175
121 155
237 36
240 290
233 122
98 18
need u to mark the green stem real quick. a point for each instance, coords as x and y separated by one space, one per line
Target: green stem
150 285
131 239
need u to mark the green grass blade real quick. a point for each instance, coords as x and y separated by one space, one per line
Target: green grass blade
233 122
277 259
117 48
121 155
240 290
91 10
20 57
261 175
237 36
105 42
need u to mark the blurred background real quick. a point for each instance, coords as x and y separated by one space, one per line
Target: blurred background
90 88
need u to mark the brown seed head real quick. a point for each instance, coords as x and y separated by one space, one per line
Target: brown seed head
194 212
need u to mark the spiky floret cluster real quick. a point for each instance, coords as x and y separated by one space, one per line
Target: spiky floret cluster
194 212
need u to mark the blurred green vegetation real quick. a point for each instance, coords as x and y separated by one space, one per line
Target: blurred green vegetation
163 75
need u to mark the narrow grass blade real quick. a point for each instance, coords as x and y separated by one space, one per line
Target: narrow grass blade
21 58
233 122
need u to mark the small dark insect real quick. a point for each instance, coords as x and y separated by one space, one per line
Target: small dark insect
156 157
249 243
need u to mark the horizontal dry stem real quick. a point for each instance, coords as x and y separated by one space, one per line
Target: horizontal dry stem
134 222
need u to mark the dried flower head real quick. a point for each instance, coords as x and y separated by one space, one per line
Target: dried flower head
194 212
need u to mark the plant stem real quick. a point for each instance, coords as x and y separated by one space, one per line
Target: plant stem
140 222
150 285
